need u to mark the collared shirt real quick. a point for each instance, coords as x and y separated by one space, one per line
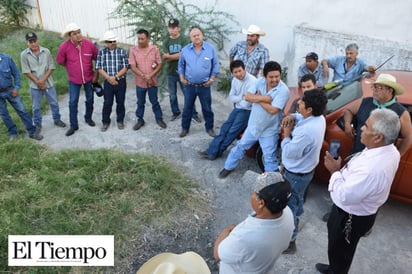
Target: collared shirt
174 46
261 123
238 90
145 60
112 61
38 65
340 71
198 67
9 72
300 154
364 183
318 73
78 60
255 60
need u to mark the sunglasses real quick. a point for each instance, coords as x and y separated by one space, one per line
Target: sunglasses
110 42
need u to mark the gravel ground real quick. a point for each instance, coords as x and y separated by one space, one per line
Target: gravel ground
387 249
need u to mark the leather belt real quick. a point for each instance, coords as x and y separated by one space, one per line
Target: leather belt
299 174
5 89
197 85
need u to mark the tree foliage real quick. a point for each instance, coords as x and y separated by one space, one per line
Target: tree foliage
153 16
13 12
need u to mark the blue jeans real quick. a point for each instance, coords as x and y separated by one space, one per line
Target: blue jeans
110 92
74 94
141 101
205 97
299 185
36 98
268 145
18 105
234 125
172 81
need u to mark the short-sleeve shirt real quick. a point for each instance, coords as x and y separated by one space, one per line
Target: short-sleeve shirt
38 65
144 60
340 71
174 46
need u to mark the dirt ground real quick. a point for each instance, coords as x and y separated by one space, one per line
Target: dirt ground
387 249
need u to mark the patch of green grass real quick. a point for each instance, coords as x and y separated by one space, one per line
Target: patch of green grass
101 192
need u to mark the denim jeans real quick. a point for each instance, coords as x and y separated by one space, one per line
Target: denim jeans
268 145
299 185
18 105
172 81
234 125
74 91
205 97
110 92
141 101
36 98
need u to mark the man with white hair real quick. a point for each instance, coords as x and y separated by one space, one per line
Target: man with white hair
77 55
112 63
360 188
253 53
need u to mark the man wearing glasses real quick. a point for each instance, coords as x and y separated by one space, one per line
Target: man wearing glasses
112 63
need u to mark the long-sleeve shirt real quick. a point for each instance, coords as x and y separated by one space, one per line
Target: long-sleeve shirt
9 73
300 154
364 183
238 90
196 67
78 60
38 65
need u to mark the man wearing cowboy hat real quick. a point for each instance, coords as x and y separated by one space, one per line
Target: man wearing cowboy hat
385 89
77 55
253 54
112 63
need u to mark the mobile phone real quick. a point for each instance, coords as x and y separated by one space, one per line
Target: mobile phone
334 147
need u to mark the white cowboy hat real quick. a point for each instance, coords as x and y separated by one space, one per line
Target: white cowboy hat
109 36
253 29
69 28
390 81
170 263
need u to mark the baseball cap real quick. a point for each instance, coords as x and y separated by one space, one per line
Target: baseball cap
274 190
173 23
312 55
31 36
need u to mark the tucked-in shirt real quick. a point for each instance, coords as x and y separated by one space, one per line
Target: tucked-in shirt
261 123
300 154
196 67
255 244
174 46
364 183
78 61
340 71
318 73
145 60
255 60
9 73
38 65
112 61
238 90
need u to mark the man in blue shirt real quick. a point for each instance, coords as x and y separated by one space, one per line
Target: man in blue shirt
9 91
346 68
304 132
312 66
198 67
264 122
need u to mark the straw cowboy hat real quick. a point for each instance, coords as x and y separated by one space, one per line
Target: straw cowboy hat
253 29
109 36
390 81
170 263
69 28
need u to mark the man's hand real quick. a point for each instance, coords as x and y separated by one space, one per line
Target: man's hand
287 124
331 164
225 232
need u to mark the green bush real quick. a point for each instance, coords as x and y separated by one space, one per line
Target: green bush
13 12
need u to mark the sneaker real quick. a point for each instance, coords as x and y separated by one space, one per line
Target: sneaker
291 248
104 127
59 123
322 268
71 131
211 133
120 125
161 123
90 123
197 119
36 136
224 173
175 116
138 125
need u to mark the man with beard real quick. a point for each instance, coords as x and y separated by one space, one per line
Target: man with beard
253 54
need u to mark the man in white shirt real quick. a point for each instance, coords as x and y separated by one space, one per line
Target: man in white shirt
360 188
